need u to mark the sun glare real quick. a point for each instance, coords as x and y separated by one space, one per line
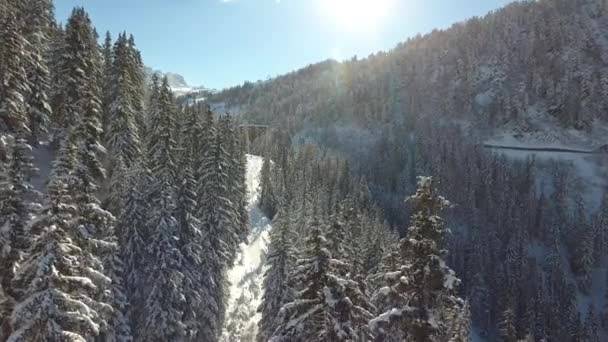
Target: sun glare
356 15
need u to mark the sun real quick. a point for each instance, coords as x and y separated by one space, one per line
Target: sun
356 15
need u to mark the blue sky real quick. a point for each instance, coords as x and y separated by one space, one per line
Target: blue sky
221 43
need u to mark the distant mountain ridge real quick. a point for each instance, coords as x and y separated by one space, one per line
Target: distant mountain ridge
177 82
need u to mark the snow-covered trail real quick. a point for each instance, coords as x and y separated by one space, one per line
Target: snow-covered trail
247 274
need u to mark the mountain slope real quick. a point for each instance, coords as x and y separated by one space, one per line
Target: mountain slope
535 70
177 82
529 228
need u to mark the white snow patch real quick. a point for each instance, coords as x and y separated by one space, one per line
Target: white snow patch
247 274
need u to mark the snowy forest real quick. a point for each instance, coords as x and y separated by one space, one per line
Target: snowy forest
387 199
527 229
120 211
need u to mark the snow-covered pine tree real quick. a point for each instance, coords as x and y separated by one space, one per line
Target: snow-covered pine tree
327 307
218 221
88 133
39 20
77 95
191 130
107 53
391 260
236 187
267 196
163 310
162 291
161 146
117 188
14 86
237 164
419 302
152 112
133 235
375 235
506 326
97 227
15 211
119 325
206 138
138 85
14 186
94 234
280 259
123 138
338 238
190 237
58 302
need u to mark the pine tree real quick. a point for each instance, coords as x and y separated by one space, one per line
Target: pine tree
280 259
14 86
119 325
218 221
164 299
133 235
238 187
107 74
95 234
117 188
88 133
206 137
39 20
267 195
337 236
77 97
163 307
420 301
15 212
327 307
123 137
162 145
190 246
152 112
58 302
507 326
138 83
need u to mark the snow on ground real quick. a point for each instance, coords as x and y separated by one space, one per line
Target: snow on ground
179 91
222 107
539 129
247 274
254 167
592 173
591 169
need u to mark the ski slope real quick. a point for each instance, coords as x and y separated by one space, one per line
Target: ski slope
247 274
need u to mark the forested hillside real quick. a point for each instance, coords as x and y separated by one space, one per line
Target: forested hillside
533 66
528 228
122 214
125 214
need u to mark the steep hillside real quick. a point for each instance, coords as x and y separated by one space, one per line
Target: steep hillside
530 223
535 70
